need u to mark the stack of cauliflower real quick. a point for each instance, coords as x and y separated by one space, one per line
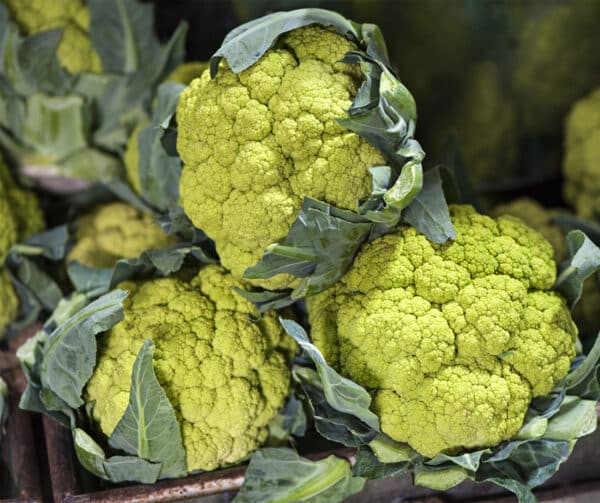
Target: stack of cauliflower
20 216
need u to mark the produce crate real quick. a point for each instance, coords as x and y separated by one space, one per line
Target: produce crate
22 459
579 476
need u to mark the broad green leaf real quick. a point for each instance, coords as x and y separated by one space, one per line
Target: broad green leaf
428 212
149 428
70 353
245 45
575 418
91 164
440 478
38 284
56 127
390 451
583 260
341 393
51 244
367 465
165 262
584 380
340 427
116 468
122 32
159 173
319 248
280 475
290 422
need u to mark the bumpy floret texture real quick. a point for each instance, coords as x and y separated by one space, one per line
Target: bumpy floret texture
75 51
539 218
113 232
556 63
482 105
581 165
225 374
452 340
9 302
183 74
256 143
20 214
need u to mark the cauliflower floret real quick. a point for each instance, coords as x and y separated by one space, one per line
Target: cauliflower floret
256 143
8 300
21 215
581 165
116 231
225 375
75 50
454 340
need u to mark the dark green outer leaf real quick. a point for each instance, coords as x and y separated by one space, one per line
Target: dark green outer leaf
116 468
341 393
122 32
159 173
583 260
149 428
429 213
51 244
584 381
280 475
70 353
368 466
165 262
246 44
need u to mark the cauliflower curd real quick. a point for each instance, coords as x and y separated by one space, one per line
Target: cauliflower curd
254 144
225 375
454 340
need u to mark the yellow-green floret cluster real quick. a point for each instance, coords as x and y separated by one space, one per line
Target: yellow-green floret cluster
582 157
226 375
113 232
254 144
539 218
20 216
75 51
452 341
183 74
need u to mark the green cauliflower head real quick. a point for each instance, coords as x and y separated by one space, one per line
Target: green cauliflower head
75 50
115 231
9 302
452 341
254 144
21 214
556 62
581 165
225 375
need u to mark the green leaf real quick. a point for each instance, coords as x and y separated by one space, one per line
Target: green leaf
149 428
290 422
280 475
390 451
51 244
575 418
367 465
319 248
584 380
160 172
91 164
341 393
440 478
428 213
116 468
56 127
70 353
122 32
245 45
583 260
165 262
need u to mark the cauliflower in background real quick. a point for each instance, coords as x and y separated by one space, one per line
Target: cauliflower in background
254 144
113 232
9 302
581 165
21 214
452 341
75 50
226 375
556 62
